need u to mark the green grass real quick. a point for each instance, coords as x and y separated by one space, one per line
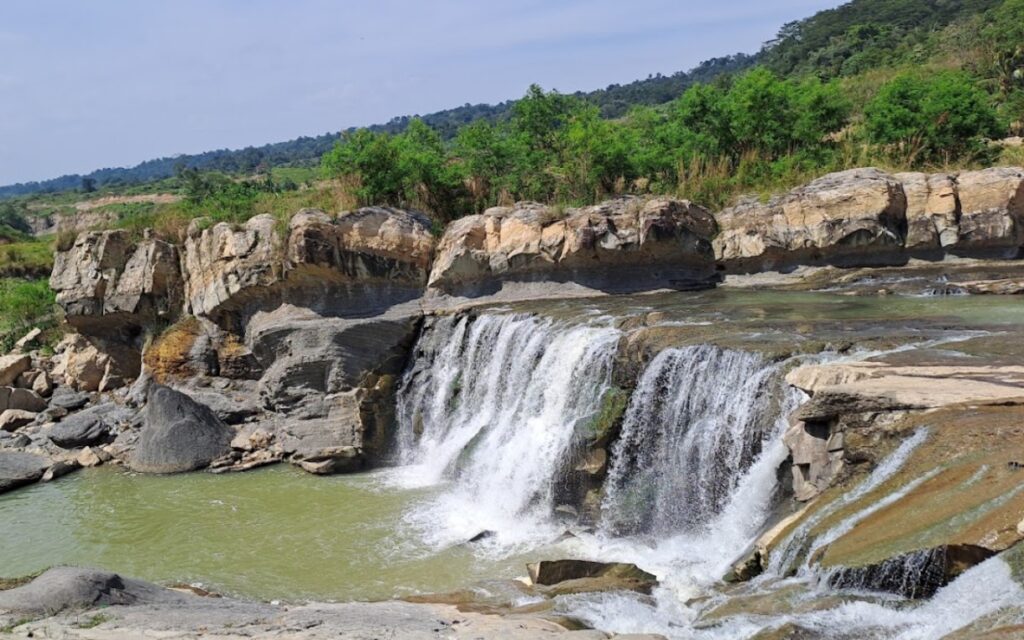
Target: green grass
25 304
27 258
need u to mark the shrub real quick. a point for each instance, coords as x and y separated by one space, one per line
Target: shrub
935 118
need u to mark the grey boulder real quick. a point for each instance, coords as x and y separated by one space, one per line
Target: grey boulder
178 434
84 429
18 469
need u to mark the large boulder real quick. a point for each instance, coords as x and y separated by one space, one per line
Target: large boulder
178 434
108 284
851 218
621 245
20 400
564 577
991 212
18 469
933 211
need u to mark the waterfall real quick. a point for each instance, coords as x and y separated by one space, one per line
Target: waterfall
494 405
699 419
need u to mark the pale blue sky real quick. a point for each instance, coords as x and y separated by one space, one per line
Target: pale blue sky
91 84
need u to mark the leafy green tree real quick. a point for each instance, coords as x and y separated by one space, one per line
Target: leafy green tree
932 118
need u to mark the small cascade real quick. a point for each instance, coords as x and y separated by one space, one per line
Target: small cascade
494 405
698 421
798 543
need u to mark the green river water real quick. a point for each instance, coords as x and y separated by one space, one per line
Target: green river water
271 533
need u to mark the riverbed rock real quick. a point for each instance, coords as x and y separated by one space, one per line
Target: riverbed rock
178 434
12 366
992 212
851 218
14 419
933 211
20 400
107 283
68 399
18 469
620 245
918 574
83 429
586 576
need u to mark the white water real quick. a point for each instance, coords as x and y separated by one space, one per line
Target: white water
494 406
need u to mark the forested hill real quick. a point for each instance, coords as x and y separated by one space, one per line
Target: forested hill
613 101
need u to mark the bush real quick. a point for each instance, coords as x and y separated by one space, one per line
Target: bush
934 118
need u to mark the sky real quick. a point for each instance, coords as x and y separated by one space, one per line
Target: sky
86 85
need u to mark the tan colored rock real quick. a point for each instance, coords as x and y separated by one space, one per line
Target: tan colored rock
14 419
42 385
105 281
849 218
92 457
23 343
933 210
991 211
625 244
912 386
93 364
12 366
225 266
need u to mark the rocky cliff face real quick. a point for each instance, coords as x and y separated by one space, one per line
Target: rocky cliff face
306 326
865 217
108 284
619 246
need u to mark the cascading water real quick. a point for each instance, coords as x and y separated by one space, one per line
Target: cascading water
495 404
699 419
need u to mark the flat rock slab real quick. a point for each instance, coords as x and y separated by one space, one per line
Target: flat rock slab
18 469
126 608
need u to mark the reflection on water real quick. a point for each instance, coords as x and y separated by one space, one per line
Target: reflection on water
270 533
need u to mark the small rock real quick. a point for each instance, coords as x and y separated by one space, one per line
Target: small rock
26 379
42 384
14 419
89 457
11 398
19 441
67 398
483 535
27 339
61 468
333 460
12 366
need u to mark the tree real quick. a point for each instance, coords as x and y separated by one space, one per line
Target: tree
88 184
931 118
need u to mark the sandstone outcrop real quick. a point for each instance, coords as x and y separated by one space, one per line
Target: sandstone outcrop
108 284
621 245
367 259
852 217
933 211
827 432
991 212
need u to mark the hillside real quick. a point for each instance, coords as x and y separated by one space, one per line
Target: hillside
613 101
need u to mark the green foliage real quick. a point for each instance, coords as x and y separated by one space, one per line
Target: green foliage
24 304
933 118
